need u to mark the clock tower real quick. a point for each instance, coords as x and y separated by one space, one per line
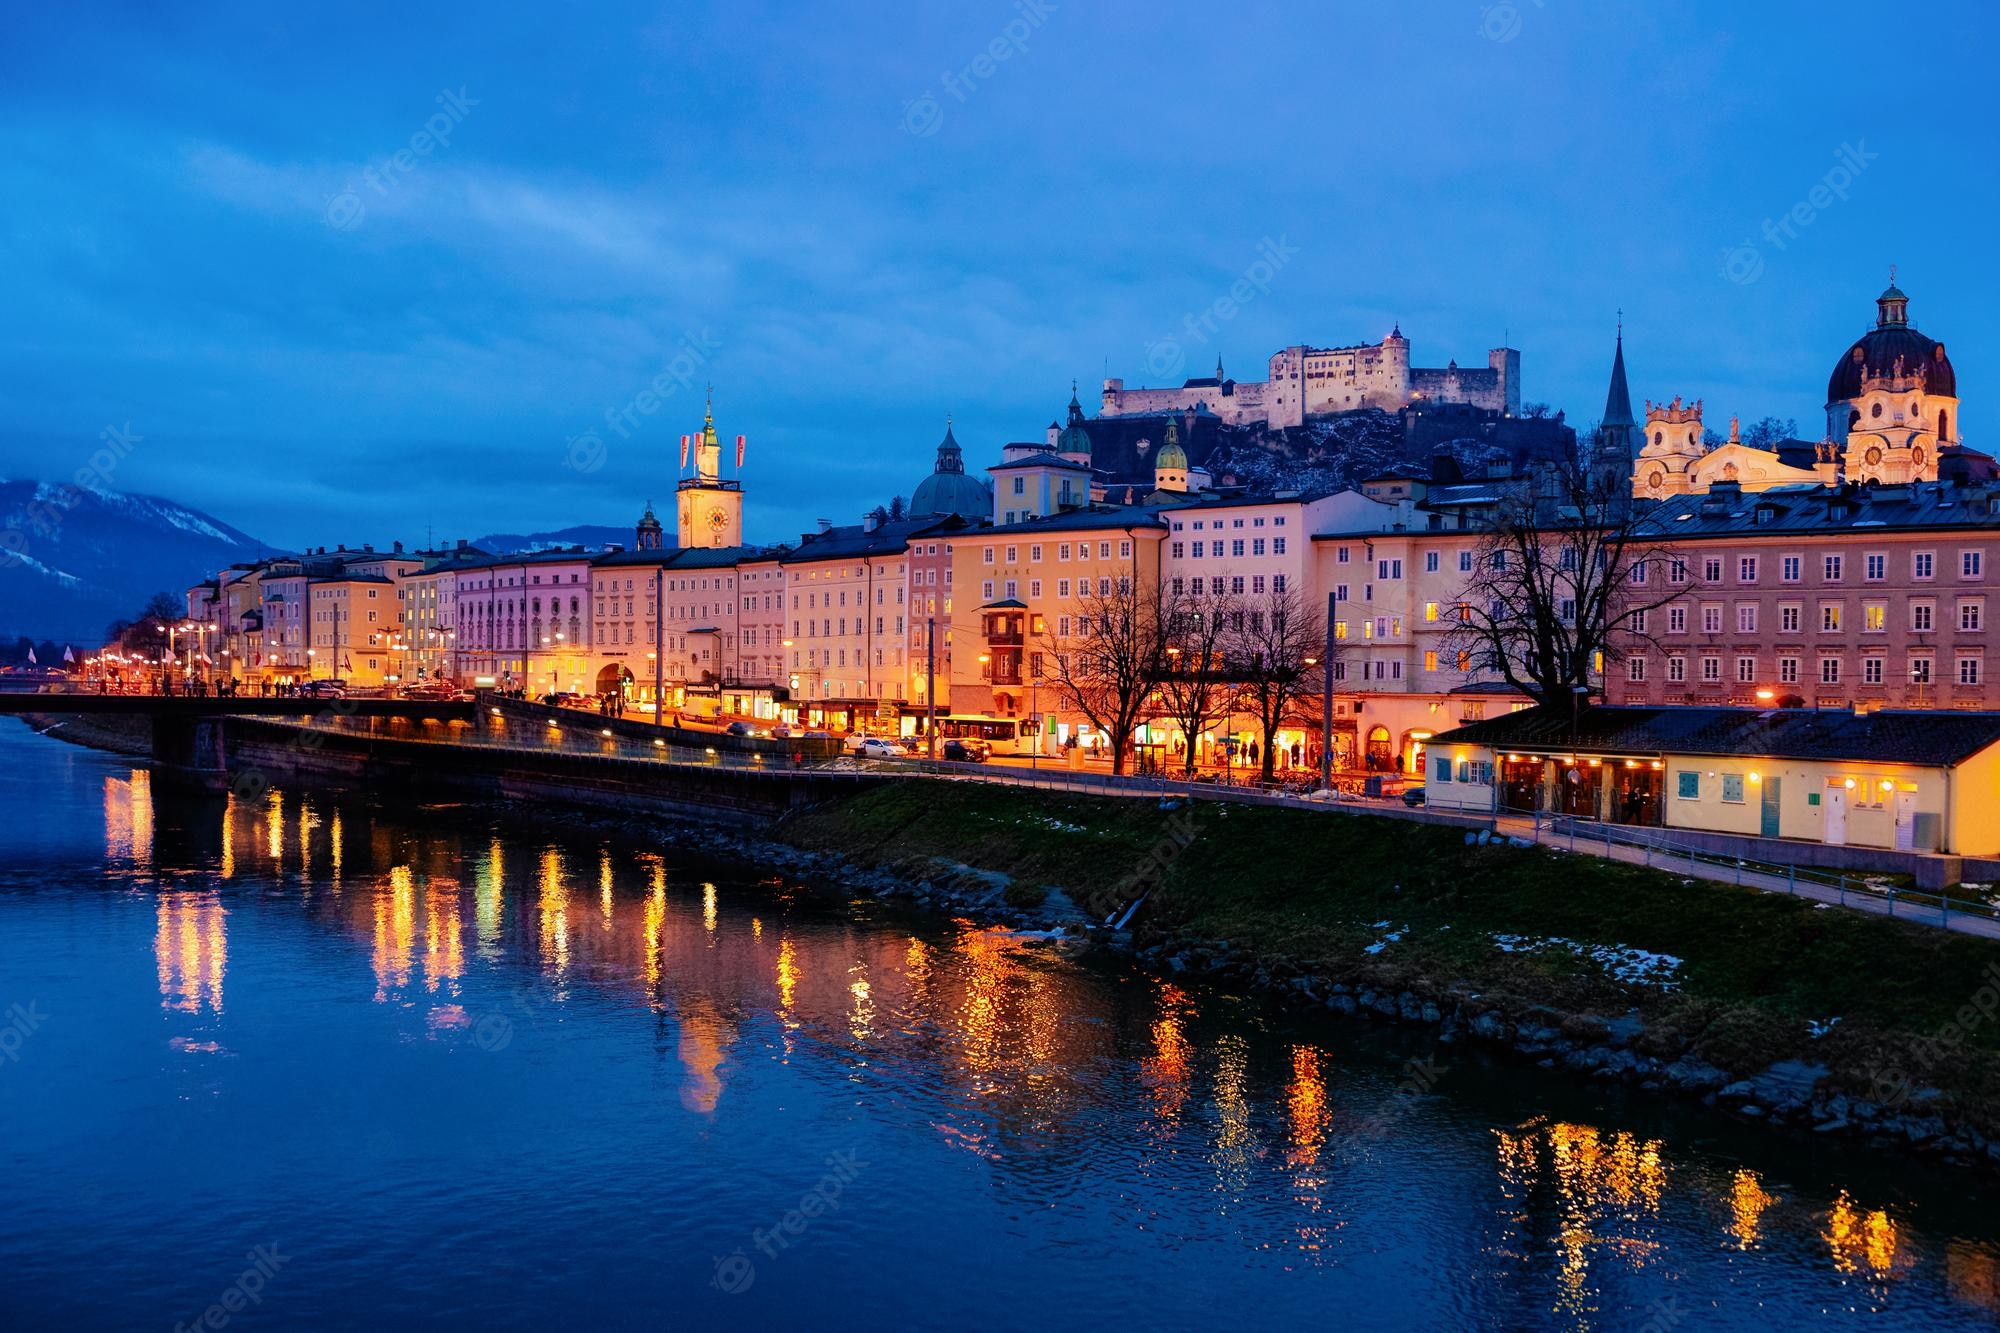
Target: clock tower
710 509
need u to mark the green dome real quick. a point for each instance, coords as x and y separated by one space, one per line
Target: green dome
1171 455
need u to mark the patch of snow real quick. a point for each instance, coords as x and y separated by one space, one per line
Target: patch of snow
1622 962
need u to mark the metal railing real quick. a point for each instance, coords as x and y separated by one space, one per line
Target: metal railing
1658 849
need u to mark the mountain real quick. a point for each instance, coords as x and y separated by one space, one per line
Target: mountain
74 559
591 536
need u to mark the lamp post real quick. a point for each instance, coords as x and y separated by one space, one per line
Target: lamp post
1326 702
930 686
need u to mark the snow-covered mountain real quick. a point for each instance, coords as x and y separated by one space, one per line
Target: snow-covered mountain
74 559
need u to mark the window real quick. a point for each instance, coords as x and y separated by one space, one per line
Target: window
1830 568
1677 571
1970 563
1920 670
1732 788
1430 660
1180 550
1968 671
1871 671
1257 544
1034 555
1711 669
1637 574
1638 620
1711 619
1829 617
1923 564
1465 563
1746 617
1875 567
1687 785
1635 669
1970 613
1278 543
1677 620
1746 569
1020 484
1430 559
1829 671
1430 611
1746 670
1921 616
1874 617
1677 668
1013 555
1788 569
1788 670
1711 569
989 555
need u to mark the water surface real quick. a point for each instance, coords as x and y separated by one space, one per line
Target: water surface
459 1072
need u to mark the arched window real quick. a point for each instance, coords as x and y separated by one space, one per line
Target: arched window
1944 426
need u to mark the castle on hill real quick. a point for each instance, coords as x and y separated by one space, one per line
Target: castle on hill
1305 382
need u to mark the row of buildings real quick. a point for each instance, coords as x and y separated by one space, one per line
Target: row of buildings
1850 571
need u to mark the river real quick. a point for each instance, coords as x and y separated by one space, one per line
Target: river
311 1061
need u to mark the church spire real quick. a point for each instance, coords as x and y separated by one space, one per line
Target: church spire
950 457
1618 401
1219 376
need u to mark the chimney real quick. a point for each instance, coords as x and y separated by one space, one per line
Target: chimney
399 548
826 525
868 521
461 543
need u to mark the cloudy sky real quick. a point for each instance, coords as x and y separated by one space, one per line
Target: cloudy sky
855 226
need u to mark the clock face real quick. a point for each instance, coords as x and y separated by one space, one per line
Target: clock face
717 520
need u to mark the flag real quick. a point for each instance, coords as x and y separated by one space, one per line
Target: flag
684 451
739 453
68 656
31 657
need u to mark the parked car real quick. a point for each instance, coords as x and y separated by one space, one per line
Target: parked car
568 699
783 732
963 752
817 735
324 689
739 729
1413 796
874 747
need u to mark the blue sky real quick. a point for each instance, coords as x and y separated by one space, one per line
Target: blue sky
853 230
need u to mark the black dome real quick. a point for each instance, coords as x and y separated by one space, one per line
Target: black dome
1877 351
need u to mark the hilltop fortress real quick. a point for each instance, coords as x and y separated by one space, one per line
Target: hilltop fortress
1308 382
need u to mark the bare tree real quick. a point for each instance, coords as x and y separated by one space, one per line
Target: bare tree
1194 685
1566 579
1277 656
1109 661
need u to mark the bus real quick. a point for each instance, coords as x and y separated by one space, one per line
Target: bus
1003 735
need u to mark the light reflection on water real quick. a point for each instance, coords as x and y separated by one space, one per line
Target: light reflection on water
1110 1133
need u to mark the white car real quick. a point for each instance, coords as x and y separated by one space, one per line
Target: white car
874 747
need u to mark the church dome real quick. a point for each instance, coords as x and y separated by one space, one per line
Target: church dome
1877 351
947 490
1171 458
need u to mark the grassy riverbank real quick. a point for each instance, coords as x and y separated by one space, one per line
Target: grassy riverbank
1404 906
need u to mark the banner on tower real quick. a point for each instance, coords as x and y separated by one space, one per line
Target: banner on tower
684 451
739 453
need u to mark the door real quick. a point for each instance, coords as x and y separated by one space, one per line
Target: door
1833 820
1769 826
1906 821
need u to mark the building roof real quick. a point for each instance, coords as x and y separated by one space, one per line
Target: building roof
948 490
1084 517
1913 506
1618 400
680 557
1040 460
1888 736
